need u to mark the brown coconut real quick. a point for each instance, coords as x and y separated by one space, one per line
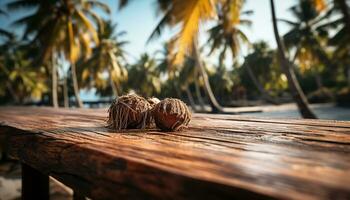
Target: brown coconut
171 114
129 112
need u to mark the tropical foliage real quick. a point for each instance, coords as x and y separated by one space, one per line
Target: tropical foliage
66 46
105 69
144 76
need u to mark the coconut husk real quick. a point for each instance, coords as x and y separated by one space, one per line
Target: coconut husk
171 114
129 112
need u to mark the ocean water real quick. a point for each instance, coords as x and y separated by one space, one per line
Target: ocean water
323 112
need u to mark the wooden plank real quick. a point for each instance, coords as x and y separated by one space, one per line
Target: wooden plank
217 157
35 185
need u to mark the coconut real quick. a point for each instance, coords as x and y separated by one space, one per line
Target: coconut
129 112
171 114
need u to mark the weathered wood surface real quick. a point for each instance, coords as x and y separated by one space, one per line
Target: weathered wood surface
218 157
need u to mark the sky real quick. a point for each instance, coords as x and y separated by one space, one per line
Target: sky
139 20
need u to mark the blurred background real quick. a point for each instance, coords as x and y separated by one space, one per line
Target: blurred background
265 58
287 59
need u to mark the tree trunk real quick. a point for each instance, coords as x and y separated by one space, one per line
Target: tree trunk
286 67
261 89
216 108
348 72
178 92
12 92
198 94
190 99
318 79
113 85
65 93
54 82
75 86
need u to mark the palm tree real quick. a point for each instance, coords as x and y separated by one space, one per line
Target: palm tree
188 15
287 68
149 85
61 27
259 67
306 40
185 78
197 85
340 40
227 33
20 79
108 56
163 68
216 107
181 77
222 79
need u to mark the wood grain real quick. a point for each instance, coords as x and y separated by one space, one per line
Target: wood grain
218 157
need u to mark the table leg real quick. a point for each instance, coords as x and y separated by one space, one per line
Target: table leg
35 185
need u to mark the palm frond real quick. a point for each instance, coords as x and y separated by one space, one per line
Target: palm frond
5 33
98 20
22 4
234 11
159 28
243 37
247 12
189 13
290 23
123 3
98 4
245 22
2 12
89 26
73 49
86 44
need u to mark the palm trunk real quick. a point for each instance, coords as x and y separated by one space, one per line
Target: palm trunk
113 85
75 86
190 98
348 74
65 93
261 89
178 92
318 79
216 108
54 82
198 94
286 67
12 92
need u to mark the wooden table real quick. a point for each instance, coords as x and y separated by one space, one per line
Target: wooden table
218 157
